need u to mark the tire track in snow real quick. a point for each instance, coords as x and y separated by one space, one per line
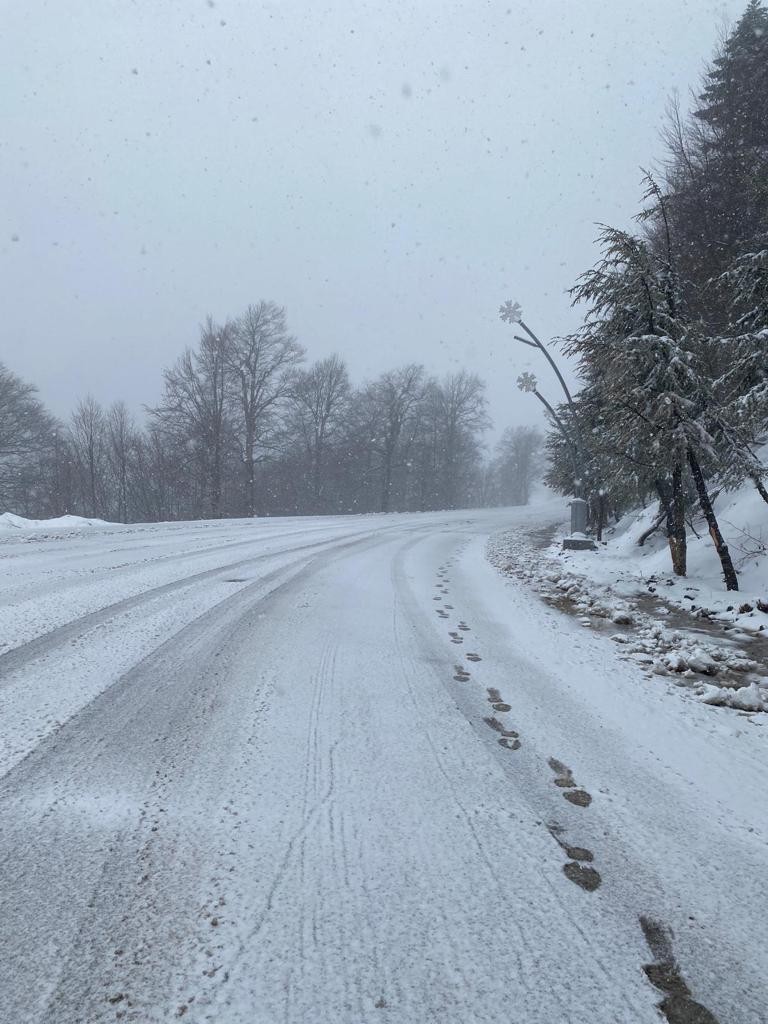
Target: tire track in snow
298 874
497 882
312 798
118 869
17 657
10 596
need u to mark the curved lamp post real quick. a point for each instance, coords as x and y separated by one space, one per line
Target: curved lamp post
511 313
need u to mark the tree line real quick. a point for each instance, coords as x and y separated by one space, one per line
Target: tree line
673 349
245 427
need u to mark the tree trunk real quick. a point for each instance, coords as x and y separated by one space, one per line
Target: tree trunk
386 488
652 528
760 488
317 475
250 481
216 481
386 484
92 482
679 540
674 511
600 516
729 573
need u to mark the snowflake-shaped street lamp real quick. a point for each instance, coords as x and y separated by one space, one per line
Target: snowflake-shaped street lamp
510 312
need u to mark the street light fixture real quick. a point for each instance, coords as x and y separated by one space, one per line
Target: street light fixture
511 312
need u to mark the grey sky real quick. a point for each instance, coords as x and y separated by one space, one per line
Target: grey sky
390 172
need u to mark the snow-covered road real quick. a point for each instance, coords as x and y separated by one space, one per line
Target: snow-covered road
339 771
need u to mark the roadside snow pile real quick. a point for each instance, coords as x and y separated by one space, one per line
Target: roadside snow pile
692 652
743 518
9 521
753 697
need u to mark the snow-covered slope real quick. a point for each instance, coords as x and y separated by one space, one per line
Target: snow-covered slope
743 518
10 521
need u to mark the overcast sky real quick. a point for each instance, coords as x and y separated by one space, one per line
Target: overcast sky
390 172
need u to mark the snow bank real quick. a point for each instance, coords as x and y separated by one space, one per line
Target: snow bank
9 521
743 518
703 639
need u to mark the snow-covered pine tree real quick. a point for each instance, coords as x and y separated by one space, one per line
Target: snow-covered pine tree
642 361
741 390
628 355
733 107
716 178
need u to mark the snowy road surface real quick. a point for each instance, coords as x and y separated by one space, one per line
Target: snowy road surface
341 771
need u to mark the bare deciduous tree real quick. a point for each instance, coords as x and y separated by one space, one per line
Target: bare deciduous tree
517 464
89 444
320 398
121 443
261 360
393 398
195 406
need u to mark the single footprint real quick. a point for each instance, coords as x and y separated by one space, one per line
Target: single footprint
564 780
498 726
578 852
471 656
573 852
509 742
564 776
584 876
496 701
664 973
579 797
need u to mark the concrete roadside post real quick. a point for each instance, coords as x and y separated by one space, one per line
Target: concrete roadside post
578 540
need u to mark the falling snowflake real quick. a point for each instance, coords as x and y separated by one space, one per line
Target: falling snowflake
511 312
527 382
